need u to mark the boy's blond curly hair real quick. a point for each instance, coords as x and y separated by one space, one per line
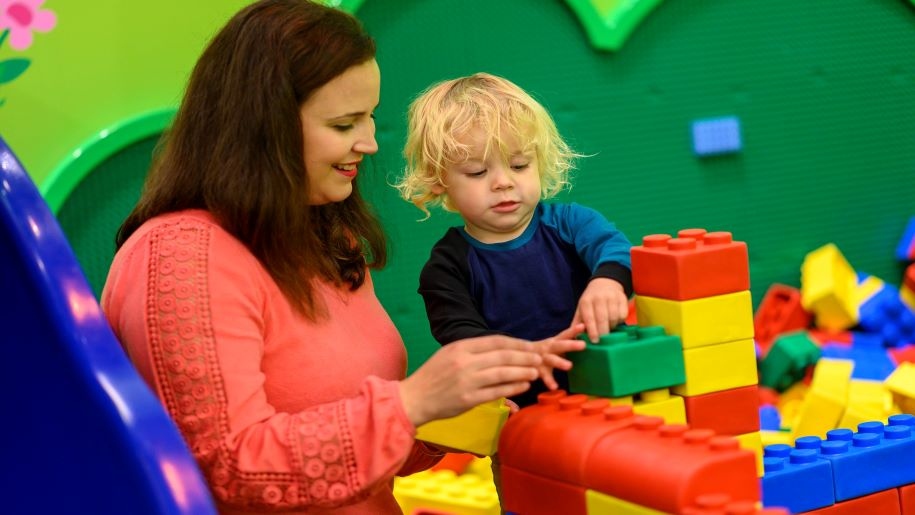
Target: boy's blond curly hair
440 116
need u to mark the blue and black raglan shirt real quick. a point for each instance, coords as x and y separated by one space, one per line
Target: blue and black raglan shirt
527 287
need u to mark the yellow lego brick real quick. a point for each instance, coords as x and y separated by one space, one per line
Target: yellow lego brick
598 503
901 383
661 403
475 431
867 289
481 467
622 401
718 367
753 442
768 438
443 490
826 400
907 296
829 288
867 400
790 401
699 322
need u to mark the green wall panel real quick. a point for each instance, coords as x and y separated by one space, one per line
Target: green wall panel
823 92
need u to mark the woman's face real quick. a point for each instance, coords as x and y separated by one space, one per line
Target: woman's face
338 129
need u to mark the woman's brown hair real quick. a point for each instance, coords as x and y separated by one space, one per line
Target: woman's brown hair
235 148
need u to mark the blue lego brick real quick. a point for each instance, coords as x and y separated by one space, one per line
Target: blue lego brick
716 136
797 479
769 418
905 251
872 361
885 314
876 457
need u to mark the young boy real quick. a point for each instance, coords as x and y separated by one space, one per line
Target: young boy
481 146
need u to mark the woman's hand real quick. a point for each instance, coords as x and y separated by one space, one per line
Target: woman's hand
469 372
601 307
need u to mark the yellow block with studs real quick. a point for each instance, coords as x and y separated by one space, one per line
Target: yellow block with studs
700 322
901 383
597 502
718 367
829 288
476 430
660 403
826 400
445 491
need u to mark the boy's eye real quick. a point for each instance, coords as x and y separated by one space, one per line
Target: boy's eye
520 166
476 174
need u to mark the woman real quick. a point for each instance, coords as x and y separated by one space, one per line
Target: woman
241 288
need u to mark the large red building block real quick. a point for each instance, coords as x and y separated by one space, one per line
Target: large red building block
727 412
696 264
779 312
667 467
554 438
531 494
907 499
885 502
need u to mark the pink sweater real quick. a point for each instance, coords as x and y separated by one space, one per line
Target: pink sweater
281 413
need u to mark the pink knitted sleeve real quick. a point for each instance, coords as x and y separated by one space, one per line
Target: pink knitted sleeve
204 306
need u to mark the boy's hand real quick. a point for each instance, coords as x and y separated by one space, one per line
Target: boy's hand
601 307
552 349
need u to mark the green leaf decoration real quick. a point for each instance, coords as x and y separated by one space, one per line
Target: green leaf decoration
609 23
12 68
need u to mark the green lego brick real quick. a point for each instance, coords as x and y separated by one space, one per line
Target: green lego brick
626 361
787 360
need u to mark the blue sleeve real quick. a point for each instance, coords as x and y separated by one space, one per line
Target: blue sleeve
596 239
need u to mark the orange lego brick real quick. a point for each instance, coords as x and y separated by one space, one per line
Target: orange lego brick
885 502
779 312
666 467
696 264
727 412
454 461
530 494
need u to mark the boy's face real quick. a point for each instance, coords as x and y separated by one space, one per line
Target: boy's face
496 195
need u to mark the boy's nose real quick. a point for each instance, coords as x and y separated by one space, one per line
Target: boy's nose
501 179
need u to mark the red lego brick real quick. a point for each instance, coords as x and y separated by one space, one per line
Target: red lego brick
903 354
696 264
909 279
779 312
532 494
727 412
631 317
885 502
667 467
822 337
571 425
768 396
907 499
721 504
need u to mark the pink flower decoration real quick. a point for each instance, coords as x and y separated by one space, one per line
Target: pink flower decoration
21 17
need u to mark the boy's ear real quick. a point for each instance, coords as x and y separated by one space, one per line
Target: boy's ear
437 188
